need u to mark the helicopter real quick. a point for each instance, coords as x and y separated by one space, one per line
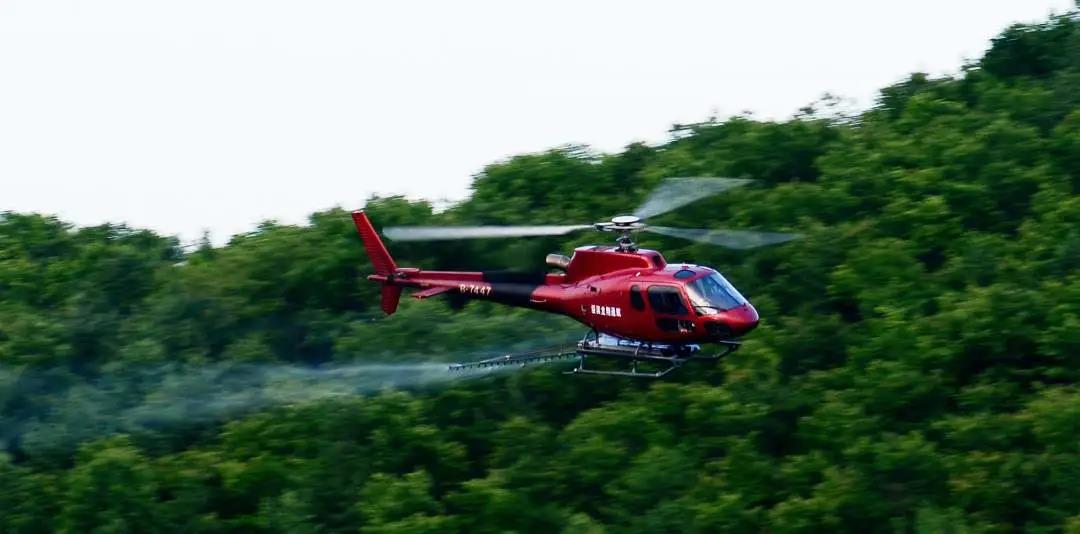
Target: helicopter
640 310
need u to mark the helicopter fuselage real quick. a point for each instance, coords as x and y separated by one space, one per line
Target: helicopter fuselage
633 294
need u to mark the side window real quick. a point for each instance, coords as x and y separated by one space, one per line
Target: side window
636 300
666 300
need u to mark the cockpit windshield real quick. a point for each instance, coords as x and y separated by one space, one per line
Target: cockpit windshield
714 293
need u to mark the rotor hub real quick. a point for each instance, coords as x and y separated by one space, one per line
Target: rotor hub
624 225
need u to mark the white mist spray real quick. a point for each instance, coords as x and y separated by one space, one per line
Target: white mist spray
139 398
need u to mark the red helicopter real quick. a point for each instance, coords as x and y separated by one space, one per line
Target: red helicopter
639 308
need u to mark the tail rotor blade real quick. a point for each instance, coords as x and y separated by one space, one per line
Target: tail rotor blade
677 192
441 233
735 239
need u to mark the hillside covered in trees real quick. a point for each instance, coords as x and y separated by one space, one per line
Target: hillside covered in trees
916 369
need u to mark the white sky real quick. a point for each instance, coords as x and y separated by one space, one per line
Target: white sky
185 115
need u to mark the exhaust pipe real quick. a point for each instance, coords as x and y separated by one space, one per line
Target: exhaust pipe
557 261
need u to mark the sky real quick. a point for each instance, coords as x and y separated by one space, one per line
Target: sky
186 116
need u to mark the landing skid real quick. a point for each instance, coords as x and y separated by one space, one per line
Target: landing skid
601 347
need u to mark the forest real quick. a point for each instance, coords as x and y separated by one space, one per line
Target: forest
916 368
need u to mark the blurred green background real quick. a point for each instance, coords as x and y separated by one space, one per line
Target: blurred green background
915 371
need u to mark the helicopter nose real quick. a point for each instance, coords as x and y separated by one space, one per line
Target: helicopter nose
733 323
743 319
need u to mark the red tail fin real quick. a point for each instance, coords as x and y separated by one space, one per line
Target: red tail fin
380 259
390 297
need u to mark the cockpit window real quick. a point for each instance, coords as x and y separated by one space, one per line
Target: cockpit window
714 293
684 273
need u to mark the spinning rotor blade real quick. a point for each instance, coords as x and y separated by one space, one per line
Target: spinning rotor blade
736 239
677 192
439 233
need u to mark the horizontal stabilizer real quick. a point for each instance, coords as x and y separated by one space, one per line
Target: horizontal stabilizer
430 292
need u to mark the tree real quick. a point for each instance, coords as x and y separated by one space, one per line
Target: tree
110 489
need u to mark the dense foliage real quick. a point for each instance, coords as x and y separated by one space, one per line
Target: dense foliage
916 368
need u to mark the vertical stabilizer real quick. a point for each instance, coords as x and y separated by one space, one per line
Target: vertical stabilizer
391 295
380 259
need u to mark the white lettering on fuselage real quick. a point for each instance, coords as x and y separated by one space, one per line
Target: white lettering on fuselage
474 289
607 311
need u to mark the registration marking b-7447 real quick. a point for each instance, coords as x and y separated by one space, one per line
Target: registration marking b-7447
475 289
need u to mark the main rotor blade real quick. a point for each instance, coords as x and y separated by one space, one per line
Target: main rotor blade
677 192
736 239
440 233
